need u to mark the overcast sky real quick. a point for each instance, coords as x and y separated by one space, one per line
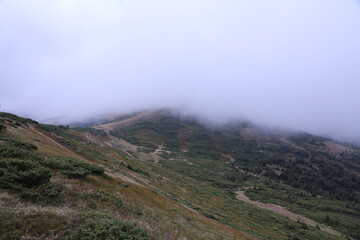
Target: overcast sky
288 63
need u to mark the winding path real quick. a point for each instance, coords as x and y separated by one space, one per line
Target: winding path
284 212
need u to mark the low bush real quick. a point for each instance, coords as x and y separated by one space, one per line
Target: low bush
10 148
71 167
76 172
29 179
15 174
22 145
101 226
50 190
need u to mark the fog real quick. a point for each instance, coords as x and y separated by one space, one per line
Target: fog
283 63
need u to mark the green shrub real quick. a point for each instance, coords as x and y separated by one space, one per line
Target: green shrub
101 227
15 174
71 167
46 193
49 191
93 168
29 179
10 148
76 172
7 151
22 145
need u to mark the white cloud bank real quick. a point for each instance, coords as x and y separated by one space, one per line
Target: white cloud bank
290 63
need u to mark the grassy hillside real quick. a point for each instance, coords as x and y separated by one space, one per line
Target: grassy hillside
157 176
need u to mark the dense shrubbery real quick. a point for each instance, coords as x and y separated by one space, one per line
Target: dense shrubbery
10 148
16 174
72 167
29 179
45 193
21 171
22 145
329 180
8 151
25 171
100 226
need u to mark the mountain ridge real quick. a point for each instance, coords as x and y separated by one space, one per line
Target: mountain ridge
186 174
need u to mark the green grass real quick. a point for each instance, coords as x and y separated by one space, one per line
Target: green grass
12 148
29 225
100 199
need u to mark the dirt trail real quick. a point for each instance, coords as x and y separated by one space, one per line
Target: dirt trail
284 212
91 138
231 159
120 144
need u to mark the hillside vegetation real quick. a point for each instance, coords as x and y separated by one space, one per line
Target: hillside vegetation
154 175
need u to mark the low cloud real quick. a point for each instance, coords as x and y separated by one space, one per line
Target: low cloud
293 64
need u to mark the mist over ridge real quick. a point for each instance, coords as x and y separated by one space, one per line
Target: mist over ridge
276 63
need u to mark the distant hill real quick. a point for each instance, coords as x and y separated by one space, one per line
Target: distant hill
315 164
159 175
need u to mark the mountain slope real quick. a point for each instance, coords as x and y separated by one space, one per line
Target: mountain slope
315 164
172 177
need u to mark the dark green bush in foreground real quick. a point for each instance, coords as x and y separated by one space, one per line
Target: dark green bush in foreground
45 193
15 174
22 145
10 148
29 179
73 168
100 227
